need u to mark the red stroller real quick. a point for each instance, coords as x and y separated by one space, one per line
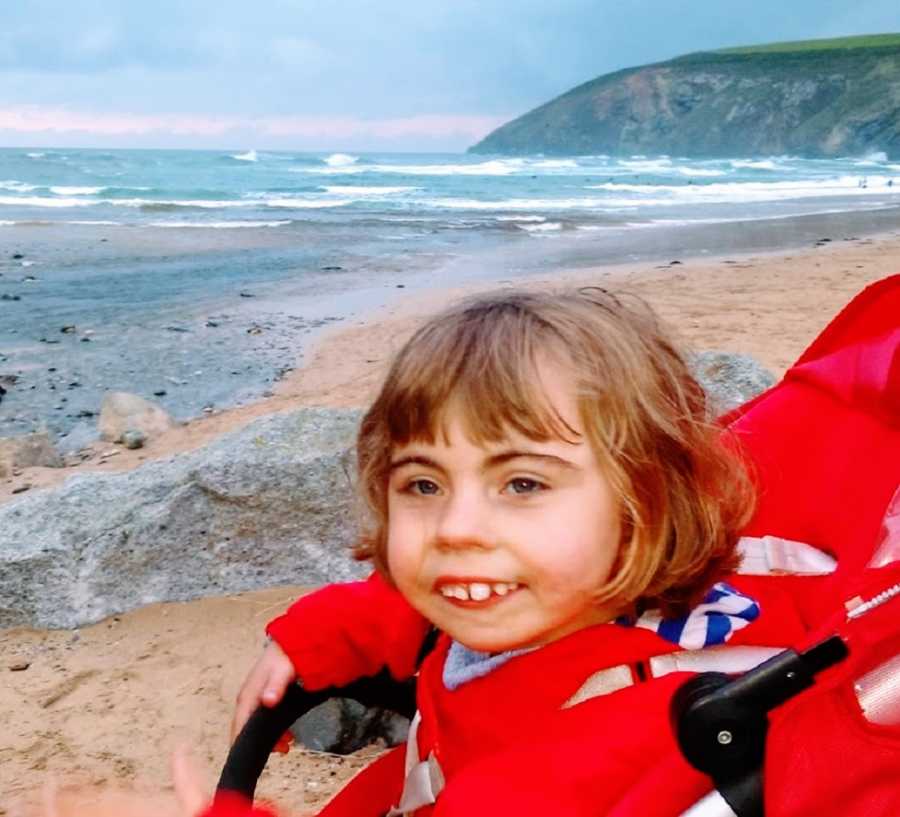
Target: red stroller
814 730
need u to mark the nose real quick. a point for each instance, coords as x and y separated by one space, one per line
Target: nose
463 521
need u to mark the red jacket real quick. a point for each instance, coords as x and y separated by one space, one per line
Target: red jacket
507 743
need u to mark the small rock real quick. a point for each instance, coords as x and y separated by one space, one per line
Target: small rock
674 263
254 330
19 666
69 329
332 269
401 286
6 297
245 294
121 412
212 324
159 393
20 489
85 340
17 256
134 439
27 451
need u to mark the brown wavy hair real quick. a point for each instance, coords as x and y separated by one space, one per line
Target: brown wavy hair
683 488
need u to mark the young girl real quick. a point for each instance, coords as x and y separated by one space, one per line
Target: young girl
546 489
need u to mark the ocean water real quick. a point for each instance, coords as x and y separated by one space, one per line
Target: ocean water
195 277
408 197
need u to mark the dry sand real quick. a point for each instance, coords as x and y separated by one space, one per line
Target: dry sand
106 704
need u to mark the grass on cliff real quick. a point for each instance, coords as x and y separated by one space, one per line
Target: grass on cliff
862 41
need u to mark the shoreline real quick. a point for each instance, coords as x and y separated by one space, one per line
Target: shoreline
205 323
334 371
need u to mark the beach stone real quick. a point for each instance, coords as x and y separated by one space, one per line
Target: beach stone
270 504
27 451
122 411
730 379
134 439
342 726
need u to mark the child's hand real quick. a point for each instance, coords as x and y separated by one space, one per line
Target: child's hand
265 684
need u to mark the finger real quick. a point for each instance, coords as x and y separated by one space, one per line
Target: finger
248 699
189 788
276 684
50 798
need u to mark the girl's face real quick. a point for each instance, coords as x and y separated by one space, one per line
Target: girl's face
503 546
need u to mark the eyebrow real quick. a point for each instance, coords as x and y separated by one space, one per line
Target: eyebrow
492 462
415 459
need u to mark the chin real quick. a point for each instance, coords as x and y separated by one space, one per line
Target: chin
491 642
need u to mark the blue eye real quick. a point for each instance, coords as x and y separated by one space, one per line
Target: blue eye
424 487
524 485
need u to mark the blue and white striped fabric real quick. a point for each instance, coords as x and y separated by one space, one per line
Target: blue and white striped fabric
723 611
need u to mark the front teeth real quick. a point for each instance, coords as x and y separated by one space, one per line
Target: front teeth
476 591
479 591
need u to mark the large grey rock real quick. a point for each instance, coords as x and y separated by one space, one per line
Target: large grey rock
121 412
270 504
27 451
730 379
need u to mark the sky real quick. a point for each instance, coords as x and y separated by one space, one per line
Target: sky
388 75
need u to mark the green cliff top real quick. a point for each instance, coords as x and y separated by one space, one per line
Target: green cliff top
861 41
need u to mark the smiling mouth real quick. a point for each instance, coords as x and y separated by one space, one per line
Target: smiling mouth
476 592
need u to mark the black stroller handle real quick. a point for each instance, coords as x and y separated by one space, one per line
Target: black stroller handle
251 749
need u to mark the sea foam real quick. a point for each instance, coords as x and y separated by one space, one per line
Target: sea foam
340 160
76 191
348 190
218 225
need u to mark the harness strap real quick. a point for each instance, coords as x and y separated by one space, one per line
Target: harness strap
772 555
424 778
710 659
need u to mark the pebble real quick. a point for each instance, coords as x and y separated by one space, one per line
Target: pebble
19 666
20 489
68 329
134 439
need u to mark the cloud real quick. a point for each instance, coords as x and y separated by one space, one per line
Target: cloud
36 119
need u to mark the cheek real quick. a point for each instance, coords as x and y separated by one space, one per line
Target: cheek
402 552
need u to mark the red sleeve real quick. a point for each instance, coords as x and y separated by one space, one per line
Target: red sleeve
348 631
231 804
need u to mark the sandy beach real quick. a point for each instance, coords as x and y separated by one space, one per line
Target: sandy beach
104 705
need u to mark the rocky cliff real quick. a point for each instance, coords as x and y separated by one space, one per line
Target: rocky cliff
821 98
